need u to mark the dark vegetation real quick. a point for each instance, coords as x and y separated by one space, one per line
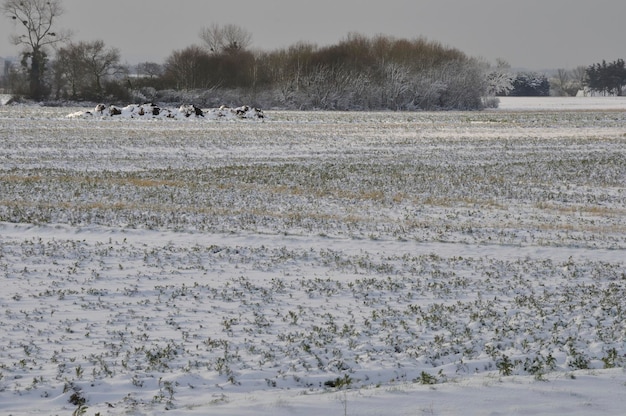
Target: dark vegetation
608 79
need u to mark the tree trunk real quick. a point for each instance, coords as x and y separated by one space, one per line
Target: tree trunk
36 69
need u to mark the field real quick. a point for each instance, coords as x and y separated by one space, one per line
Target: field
314 263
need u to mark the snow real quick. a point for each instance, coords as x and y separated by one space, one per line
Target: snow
153 111
5 99
316 263
562 103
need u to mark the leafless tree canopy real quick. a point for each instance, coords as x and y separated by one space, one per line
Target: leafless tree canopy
84 67
36 20
150 69
227 38
189 68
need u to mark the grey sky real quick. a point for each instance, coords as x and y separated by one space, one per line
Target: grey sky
533 34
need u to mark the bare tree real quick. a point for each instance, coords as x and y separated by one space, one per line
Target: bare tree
70 72
101 62
396 84
36 20
150 69
579 77
331 87
224 39
189 68
560 82
86 65
500 79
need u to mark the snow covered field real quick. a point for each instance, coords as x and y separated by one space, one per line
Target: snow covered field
562 103
314 263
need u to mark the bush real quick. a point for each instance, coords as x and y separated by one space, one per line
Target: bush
530 85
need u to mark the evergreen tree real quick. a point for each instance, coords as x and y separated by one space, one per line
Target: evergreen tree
607 78
530 85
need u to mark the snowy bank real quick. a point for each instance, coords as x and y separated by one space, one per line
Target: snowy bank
152 111
561 103
5 99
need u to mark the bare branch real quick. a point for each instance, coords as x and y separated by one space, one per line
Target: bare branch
224 39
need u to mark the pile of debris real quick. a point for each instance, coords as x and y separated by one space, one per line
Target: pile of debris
152 111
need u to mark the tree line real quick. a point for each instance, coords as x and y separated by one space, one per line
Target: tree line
358 72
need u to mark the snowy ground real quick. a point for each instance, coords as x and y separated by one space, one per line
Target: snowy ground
5 98
314 263
562 103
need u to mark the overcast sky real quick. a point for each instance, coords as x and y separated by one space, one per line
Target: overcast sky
531 34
